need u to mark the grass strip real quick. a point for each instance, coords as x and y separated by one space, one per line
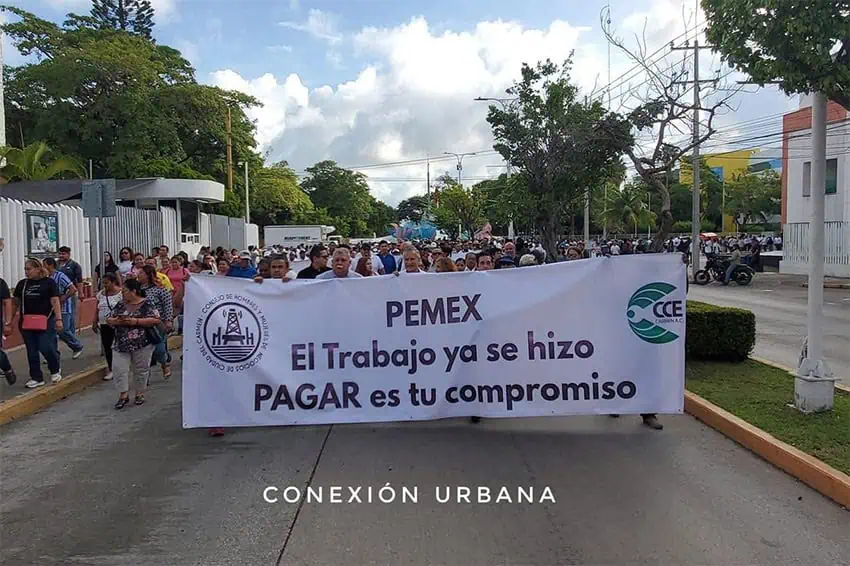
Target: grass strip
760 395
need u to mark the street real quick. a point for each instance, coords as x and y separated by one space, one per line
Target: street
85 484
779 303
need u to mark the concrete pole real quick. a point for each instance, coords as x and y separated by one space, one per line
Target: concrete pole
695 196
247 203
814 386
587 245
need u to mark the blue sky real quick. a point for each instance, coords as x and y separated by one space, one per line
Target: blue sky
380 81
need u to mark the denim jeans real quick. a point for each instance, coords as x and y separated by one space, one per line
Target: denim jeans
729 271
42 342
4 361
161 354
68 335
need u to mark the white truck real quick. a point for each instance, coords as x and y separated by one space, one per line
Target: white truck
294 235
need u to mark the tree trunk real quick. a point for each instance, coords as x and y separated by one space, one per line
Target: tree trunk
665 226
549 235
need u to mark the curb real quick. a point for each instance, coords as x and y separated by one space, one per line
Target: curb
839 386
831 285
821 477
32 402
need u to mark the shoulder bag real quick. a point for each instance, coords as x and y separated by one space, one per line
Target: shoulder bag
31 322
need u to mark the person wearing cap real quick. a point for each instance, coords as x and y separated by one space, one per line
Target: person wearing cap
505 262
242 267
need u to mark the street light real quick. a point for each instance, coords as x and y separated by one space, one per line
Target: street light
459 157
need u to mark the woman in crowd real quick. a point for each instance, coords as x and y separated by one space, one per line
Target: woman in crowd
125 261
573 253
138 264
107 299
364 267
178 275
131 319
110 268
460 264
264 268
37 299
160 299
470 261
445 264
223 266
201 267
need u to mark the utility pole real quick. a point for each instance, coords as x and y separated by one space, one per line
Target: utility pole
696 82
428 177
605 197
814 386
229 153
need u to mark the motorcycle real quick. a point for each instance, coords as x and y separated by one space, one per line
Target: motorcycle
716 267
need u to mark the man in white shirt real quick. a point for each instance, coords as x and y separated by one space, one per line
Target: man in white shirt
341 266
410 262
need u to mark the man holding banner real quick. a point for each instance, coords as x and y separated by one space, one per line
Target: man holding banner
442 346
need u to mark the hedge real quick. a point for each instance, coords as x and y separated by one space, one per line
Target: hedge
719 333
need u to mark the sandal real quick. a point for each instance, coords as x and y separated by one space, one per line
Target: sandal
166 371
121 403
139 400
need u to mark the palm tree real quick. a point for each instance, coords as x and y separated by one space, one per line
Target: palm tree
37 162
627 208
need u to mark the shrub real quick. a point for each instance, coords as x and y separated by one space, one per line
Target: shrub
719 333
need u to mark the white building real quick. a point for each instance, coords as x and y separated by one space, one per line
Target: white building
796 190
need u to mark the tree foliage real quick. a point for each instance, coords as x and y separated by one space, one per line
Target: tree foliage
412 208
561 145
37 162
343 193
628 208
752 198
802 44
132 16
459 210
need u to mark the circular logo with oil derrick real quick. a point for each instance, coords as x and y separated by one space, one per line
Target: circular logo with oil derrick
651 313
232 332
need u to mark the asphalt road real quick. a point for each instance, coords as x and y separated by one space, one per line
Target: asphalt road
83 484
780 305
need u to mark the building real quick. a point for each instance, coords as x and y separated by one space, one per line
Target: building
796 190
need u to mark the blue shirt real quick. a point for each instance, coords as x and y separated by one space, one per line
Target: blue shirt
62 284
246 273
389 262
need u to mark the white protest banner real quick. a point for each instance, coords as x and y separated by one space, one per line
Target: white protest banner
597 336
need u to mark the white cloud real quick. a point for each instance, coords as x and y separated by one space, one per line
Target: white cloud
319 24
294 5
215 29
279 48
415 96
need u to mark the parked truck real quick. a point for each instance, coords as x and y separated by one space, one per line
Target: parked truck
293 235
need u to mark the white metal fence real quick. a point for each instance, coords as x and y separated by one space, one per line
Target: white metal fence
138 228
72 232
795 240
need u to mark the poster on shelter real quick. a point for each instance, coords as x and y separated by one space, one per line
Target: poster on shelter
42 232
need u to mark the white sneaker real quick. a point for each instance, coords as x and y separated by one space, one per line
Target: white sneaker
108 376
77 354
32 384
56 377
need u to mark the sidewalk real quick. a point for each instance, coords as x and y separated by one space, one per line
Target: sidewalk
90 358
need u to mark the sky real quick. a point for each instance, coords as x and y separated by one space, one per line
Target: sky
370 83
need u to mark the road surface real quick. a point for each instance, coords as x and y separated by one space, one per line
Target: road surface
780 306
84 484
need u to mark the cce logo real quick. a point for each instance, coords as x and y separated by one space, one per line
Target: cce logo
664 313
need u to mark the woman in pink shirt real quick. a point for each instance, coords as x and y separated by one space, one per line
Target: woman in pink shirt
178 275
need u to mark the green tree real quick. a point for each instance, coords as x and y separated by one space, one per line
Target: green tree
343 193
561 145
752 197
276 197
459 208
628 209
37 162
132 16
132 107
802 44
381 217
412 208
